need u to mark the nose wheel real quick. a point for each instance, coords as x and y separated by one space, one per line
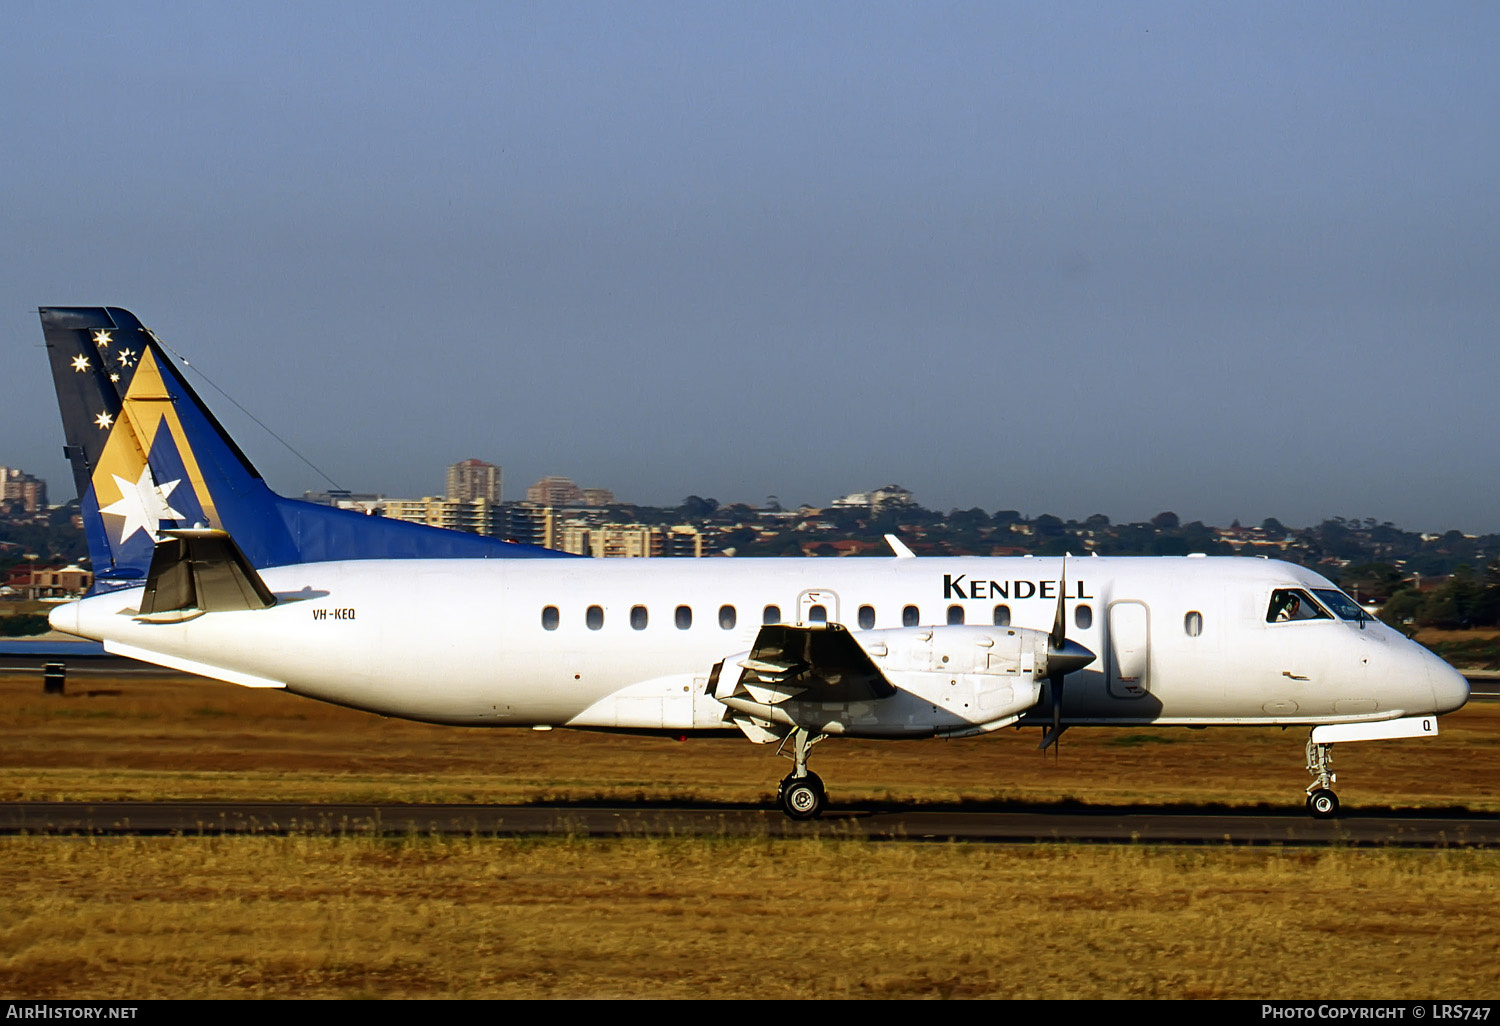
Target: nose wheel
1323 803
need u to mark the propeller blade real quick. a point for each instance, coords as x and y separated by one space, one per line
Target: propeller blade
1063 657
1059 633
1055 641
1056 683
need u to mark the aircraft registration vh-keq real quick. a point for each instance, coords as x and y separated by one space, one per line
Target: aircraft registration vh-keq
201 567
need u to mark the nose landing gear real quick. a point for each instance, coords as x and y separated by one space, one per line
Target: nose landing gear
1322 803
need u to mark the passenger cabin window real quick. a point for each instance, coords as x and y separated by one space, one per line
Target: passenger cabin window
910 617
1288 604
955 616
684 617
866 618
594 617
1193 624
1002 616
549 618
638 617
1083 617
817 614
727 617
771 614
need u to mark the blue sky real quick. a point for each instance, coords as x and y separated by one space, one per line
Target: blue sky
1233 260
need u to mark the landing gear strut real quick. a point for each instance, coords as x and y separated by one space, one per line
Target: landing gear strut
801 794
1322 803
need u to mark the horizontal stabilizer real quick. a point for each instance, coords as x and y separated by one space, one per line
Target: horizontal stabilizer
197 571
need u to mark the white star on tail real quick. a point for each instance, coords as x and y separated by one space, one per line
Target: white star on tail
143 505
102 339
80 363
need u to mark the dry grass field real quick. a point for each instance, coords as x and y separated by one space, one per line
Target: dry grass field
340 917
301 917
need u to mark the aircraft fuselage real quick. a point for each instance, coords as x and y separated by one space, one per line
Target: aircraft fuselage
630 644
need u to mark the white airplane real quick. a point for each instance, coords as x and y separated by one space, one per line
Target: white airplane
202 568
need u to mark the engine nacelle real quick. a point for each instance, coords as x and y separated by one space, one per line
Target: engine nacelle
951 681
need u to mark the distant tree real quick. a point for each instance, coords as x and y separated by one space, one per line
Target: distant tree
22 625
1049 526
1198 537
1169 545
1006 517
1452 604
847 521
1371 582
1166 521
1273 528
737 538
697 508
1487 607
1128 540
968 519
1401 607
915 514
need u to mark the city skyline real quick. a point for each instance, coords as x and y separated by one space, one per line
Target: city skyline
874 499
1232 261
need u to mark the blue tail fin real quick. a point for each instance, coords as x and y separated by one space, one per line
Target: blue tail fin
147 454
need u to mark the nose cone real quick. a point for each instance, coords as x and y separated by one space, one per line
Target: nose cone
1450 689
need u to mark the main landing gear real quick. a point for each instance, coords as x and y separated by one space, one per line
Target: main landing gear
1322 803
801 797
801 794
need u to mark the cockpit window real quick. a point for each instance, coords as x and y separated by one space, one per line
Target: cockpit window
1342 605
1294 604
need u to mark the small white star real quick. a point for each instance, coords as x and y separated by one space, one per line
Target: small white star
80 363
114 377
125 355
102 339
104 420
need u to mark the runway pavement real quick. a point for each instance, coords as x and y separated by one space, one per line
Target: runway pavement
1176 825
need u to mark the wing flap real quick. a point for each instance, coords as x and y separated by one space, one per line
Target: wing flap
823 660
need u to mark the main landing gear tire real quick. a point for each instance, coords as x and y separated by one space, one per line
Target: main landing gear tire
1323 804
802 797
